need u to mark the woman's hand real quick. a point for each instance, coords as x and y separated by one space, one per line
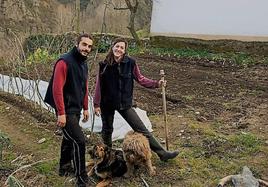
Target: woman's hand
86 116
97 111
162 83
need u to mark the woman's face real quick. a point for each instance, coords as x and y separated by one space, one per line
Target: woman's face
119 49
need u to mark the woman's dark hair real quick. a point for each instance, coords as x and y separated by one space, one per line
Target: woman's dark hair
83 35
110 56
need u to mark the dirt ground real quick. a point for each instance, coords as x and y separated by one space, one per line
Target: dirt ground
208 104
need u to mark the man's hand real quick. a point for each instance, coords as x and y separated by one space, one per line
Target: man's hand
97 111
86 116
61 120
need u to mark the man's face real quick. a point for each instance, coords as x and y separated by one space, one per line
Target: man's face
84 46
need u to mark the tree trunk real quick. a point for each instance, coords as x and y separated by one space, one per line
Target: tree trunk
131 26
77 16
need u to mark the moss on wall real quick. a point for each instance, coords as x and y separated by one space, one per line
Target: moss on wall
58 44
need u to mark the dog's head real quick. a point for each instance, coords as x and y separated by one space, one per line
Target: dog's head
99 152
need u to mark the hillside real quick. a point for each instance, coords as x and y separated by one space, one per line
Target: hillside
57 16
26 17
217 118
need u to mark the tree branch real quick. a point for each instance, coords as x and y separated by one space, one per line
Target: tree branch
26 166
123 8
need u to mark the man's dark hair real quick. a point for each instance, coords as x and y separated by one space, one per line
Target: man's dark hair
83 35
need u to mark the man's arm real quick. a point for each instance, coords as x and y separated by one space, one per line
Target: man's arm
59 80
85 105
85 102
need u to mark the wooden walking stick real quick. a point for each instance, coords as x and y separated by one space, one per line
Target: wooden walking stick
162 73
93 123
93 116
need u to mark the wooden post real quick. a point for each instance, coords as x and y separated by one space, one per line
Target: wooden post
93 123
162 73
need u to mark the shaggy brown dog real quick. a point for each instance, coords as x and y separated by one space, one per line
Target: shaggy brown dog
137 152
107 163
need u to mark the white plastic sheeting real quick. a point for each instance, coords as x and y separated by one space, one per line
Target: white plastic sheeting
26 88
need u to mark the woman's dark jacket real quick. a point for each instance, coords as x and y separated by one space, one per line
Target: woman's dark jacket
116 83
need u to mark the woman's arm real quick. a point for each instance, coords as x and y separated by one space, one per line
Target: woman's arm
146 82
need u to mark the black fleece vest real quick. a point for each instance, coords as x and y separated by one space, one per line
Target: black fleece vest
116 83
74 89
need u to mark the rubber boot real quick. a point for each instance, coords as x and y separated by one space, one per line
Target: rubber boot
66 170
107 139
160 151
82 181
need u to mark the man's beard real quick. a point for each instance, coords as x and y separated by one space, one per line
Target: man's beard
83 51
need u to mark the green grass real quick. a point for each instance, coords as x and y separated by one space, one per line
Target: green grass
189 97
236 58
246 143
47 168
4 143
206 130
2 61
214 155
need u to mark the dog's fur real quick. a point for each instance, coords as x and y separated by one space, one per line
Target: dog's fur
107 163
137 152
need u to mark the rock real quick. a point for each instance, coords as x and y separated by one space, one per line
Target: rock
245 179
41 140
201 118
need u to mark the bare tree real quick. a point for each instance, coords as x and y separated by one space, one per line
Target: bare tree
131 27
132 6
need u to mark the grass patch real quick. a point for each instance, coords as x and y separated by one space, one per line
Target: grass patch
217 124
4 143
8 156
238 58
204 129
189 97
5 163
47 168
2 61
246 143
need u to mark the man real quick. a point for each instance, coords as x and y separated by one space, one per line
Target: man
68 94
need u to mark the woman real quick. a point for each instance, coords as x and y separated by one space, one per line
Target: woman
114 91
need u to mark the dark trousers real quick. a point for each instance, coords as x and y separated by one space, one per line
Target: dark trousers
130 115
73 146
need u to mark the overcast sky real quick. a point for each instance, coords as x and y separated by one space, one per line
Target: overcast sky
216 17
